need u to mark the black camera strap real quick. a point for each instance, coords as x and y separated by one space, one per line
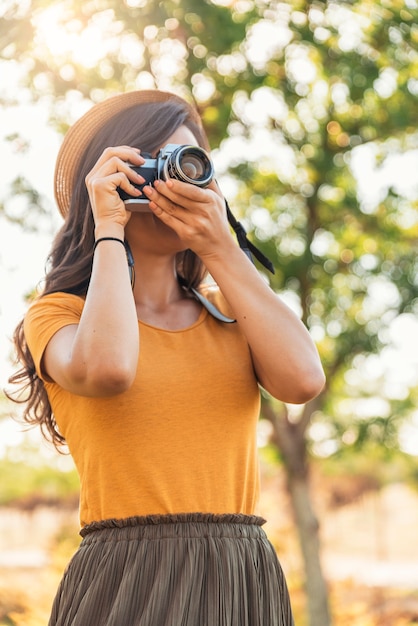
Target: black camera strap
131 263
245 244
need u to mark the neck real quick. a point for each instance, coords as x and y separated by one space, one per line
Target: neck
156 284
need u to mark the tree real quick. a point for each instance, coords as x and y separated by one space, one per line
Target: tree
344 82
318 81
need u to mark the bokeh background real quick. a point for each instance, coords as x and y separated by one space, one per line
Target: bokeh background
312 113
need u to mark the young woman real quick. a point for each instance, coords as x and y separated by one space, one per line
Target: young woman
156 394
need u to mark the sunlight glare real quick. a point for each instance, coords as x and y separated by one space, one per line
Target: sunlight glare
61 36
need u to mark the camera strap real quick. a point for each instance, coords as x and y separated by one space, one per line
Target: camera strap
209 306
131 263
245 244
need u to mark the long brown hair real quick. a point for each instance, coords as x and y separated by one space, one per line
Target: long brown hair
146 126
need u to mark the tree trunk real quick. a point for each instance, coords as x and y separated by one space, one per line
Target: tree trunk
290 439
308 527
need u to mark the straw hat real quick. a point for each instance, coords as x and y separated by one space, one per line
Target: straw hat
82 132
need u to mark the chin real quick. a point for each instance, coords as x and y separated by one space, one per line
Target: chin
147 225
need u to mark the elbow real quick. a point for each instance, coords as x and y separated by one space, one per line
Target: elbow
299 388
114 383
114 379
310 384
106 379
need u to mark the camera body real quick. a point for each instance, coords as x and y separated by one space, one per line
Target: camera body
190 164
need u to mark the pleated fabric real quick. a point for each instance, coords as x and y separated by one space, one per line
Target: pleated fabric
174 570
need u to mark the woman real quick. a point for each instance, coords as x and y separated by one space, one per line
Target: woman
156 397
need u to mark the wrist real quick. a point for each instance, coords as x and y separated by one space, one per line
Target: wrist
220 251
109 230
96 243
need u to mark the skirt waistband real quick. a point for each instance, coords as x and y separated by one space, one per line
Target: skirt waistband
211 570
176 525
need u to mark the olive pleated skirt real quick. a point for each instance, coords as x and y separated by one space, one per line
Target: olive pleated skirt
174 570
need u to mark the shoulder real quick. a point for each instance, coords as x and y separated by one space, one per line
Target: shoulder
54 304
47 314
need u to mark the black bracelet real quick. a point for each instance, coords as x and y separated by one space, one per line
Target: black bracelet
108 239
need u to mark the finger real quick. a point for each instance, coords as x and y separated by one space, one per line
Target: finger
126 184
167 211
113 166
194 200
178 191
165 203
193 191
213 185
107 189
125 154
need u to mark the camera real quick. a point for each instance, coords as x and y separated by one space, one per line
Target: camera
190 164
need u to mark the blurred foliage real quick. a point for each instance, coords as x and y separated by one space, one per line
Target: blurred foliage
385 466
28 480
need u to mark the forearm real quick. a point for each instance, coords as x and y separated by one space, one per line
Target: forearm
285 358
99 356
106 345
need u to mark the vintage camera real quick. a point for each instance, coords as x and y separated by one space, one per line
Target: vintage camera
190 164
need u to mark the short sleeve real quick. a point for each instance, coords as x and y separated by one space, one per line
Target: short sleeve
45 317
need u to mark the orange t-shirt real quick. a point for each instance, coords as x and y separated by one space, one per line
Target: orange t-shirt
181 439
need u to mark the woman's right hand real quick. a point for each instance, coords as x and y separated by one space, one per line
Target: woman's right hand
113 170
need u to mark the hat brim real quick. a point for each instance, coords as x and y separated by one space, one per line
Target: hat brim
82 132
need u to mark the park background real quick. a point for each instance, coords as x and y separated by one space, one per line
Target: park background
311 109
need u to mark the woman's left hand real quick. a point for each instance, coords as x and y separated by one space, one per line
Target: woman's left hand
196 214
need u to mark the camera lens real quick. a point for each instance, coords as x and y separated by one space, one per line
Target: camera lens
190 164
192 167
